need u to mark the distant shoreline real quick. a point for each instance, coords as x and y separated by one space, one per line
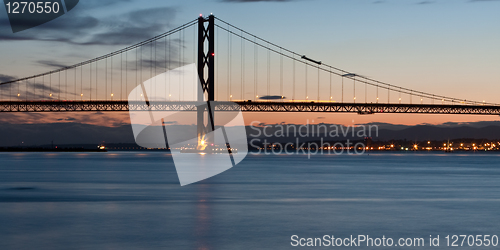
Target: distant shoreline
13 149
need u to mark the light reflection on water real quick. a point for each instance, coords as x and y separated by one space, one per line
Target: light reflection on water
130 200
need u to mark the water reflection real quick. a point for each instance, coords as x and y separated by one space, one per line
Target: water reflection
202 229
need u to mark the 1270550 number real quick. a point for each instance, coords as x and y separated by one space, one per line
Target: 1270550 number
32 7
471 240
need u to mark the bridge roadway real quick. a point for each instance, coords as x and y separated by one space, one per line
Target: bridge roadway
249 106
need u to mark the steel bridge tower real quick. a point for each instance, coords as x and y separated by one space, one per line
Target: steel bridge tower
206 75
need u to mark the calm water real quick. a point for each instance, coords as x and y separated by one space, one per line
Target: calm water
132 200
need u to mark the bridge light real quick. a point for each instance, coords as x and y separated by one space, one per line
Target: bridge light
169 95
81 94
231 96
18 94
354 98
307 97
50 95
111 94
141 95
213 54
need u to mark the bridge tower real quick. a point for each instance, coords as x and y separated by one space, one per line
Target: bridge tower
206 75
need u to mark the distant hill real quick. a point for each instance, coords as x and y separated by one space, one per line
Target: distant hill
77 133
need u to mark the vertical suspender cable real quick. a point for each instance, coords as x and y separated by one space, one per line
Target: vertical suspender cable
81 83
90 79
216 85
169 75
318 84
256 70
96 81
166 68
74 83
366 93
307 97
121 76
228 64
242 68
268 70
293 93
354 80
281 75
106 79
331 83
66 85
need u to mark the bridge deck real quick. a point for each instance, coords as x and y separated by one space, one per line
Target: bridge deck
247 106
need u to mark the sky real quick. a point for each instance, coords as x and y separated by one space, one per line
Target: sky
447 47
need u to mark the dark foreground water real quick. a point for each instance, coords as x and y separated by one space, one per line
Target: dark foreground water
131 200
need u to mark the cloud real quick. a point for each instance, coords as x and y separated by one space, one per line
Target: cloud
134 26
80 28
67 119
425 2
6 78
251 1
51 63
33 90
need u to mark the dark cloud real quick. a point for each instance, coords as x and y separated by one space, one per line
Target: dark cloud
80 28
6 78
68 28
67 119
135 26
51 63
91 4
34 91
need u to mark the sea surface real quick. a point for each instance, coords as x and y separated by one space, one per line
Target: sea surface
133 200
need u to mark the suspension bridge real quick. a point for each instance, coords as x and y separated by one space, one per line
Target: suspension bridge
238 70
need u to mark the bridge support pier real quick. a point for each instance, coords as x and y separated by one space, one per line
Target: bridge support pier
206 75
